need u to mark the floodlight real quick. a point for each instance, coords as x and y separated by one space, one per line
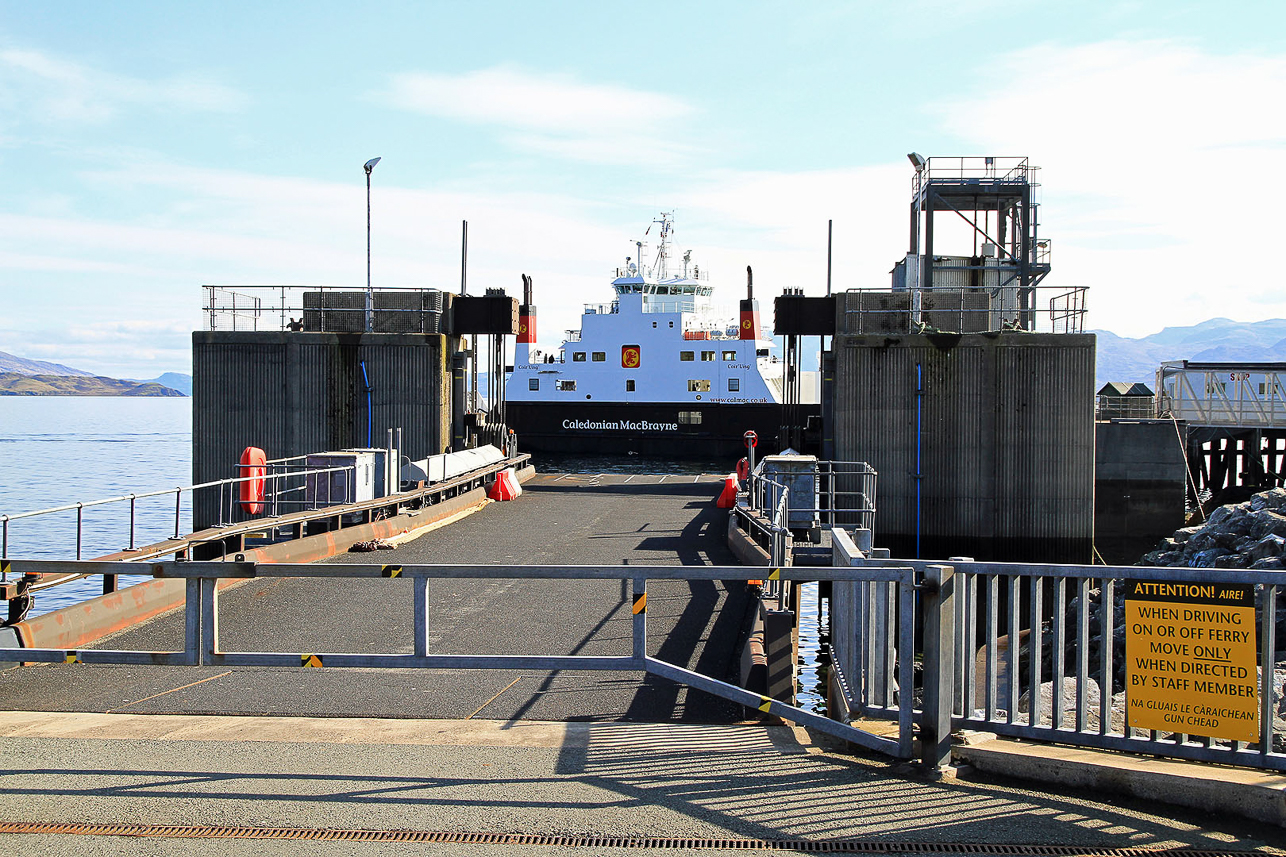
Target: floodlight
917 160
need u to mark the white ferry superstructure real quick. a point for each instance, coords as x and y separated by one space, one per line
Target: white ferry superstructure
654 372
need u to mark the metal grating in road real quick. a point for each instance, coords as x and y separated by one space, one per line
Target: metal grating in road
822 846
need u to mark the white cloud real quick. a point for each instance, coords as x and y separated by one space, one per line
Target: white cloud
1160 170
64 90
553 114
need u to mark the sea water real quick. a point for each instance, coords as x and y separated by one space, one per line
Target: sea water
60 450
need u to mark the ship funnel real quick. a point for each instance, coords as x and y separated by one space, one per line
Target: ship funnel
749 327
526 316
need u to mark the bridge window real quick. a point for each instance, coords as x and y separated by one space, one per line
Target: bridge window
734 385
533 383
629 385
707 356
567 386
701 386
690 418
729 355
578 356
600 356
687 356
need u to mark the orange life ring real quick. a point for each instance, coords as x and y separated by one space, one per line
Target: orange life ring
253 469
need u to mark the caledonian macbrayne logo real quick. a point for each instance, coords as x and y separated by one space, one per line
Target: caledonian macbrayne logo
1190 658
631 356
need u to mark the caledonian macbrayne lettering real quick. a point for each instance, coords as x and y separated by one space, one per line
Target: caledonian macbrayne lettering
1190 659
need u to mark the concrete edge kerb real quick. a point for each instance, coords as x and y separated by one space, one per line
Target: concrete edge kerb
1243 792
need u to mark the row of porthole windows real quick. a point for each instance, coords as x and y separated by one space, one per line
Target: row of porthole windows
694 386
684 356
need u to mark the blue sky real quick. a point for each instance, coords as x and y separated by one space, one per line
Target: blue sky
148 149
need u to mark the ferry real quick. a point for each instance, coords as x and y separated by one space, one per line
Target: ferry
654 372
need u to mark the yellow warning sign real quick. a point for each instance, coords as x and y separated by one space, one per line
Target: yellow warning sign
391 570
310 660
1190 658
640 604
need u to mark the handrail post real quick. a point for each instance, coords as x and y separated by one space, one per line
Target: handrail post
80 520
938 597
132 502
178 501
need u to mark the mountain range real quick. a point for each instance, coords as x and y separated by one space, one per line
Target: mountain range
1218 340
22 377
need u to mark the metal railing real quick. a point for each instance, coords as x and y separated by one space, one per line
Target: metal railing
980 169
766 513
342 309
227 487
966 310
847 489
201 642
1029 651
1124 408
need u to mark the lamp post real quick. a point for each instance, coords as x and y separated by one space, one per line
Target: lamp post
370 298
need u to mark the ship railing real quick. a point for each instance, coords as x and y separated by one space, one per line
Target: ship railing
693 274
322 309
1047 653
943 309
603 309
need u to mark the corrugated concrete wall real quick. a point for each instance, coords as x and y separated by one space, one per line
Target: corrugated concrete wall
1006 441
1140 486
293 393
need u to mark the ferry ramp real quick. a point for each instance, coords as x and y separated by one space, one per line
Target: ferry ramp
584 519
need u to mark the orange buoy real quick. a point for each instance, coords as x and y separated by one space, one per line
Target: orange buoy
253 469
728 499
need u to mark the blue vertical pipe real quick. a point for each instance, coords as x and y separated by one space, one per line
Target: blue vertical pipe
919 472
369 416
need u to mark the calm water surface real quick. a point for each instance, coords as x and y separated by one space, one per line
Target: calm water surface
56 450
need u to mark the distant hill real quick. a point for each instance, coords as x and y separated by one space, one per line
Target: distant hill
14 384
1215 341
173 380
22 377
22 366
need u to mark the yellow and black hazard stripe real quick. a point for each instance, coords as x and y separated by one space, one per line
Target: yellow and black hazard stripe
71 658
310 661
6 567
765 703
775 574
640 603
391 570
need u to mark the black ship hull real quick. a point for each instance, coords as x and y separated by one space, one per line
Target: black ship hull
651 429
